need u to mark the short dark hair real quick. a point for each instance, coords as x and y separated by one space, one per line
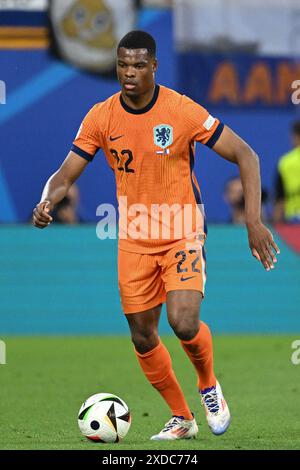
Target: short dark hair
296 128
139 40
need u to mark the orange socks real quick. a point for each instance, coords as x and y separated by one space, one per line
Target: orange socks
200 351
157 367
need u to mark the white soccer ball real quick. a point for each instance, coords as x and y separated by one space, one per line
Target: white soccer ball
104 417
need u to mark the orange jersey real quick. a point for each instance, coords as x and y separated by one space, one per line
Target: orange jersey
151 151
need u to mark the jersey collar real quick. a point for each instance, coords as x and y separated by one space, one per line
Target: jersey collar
142 110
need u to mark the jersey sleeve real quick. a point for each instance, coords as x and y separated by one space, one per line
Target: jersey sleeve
201 125
88 140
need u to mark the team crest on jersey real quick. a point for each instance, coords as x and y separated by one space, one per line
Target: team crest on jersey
163 135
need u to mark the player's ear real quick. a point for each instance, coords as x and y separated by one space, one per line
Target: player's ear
155 65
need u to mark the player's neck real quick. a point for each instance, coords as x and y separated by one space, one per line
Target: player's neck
141 101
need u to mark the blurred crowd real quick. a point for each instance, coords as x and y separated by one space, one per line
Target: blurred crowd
285 199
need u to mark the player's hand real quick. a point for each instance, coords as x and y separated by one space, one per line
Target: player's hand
262 245
41 216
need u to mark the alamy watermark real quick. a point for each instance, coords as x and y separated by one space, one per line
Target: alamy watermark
296 94
2 92
2 352
295 358
155 221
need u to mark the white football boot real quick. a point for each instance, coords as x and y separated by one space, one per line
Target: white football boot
216 409
177 428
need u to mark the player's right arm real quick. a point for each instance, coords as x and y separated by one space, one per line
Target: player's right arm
86 144
57 188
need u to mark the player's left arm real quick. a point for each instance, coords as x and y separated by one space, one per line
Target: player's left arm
234 149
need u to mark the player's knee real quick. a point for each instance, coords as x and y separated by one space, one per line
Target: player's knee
185 331
185 324
144 341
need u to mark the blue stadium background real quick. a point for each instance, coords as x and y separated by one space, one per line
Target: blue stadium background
64 280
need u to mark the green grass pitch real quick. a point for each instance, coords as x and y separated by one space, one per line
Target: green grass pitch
46 379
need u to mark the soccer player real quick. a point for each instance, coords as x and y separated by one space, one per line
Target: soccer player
148 133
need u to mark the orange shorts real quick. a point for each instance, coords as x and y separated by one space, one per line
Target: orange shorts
145 279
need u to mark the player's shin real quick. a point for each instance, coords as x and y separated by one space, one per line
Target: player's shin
200 352
157 367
